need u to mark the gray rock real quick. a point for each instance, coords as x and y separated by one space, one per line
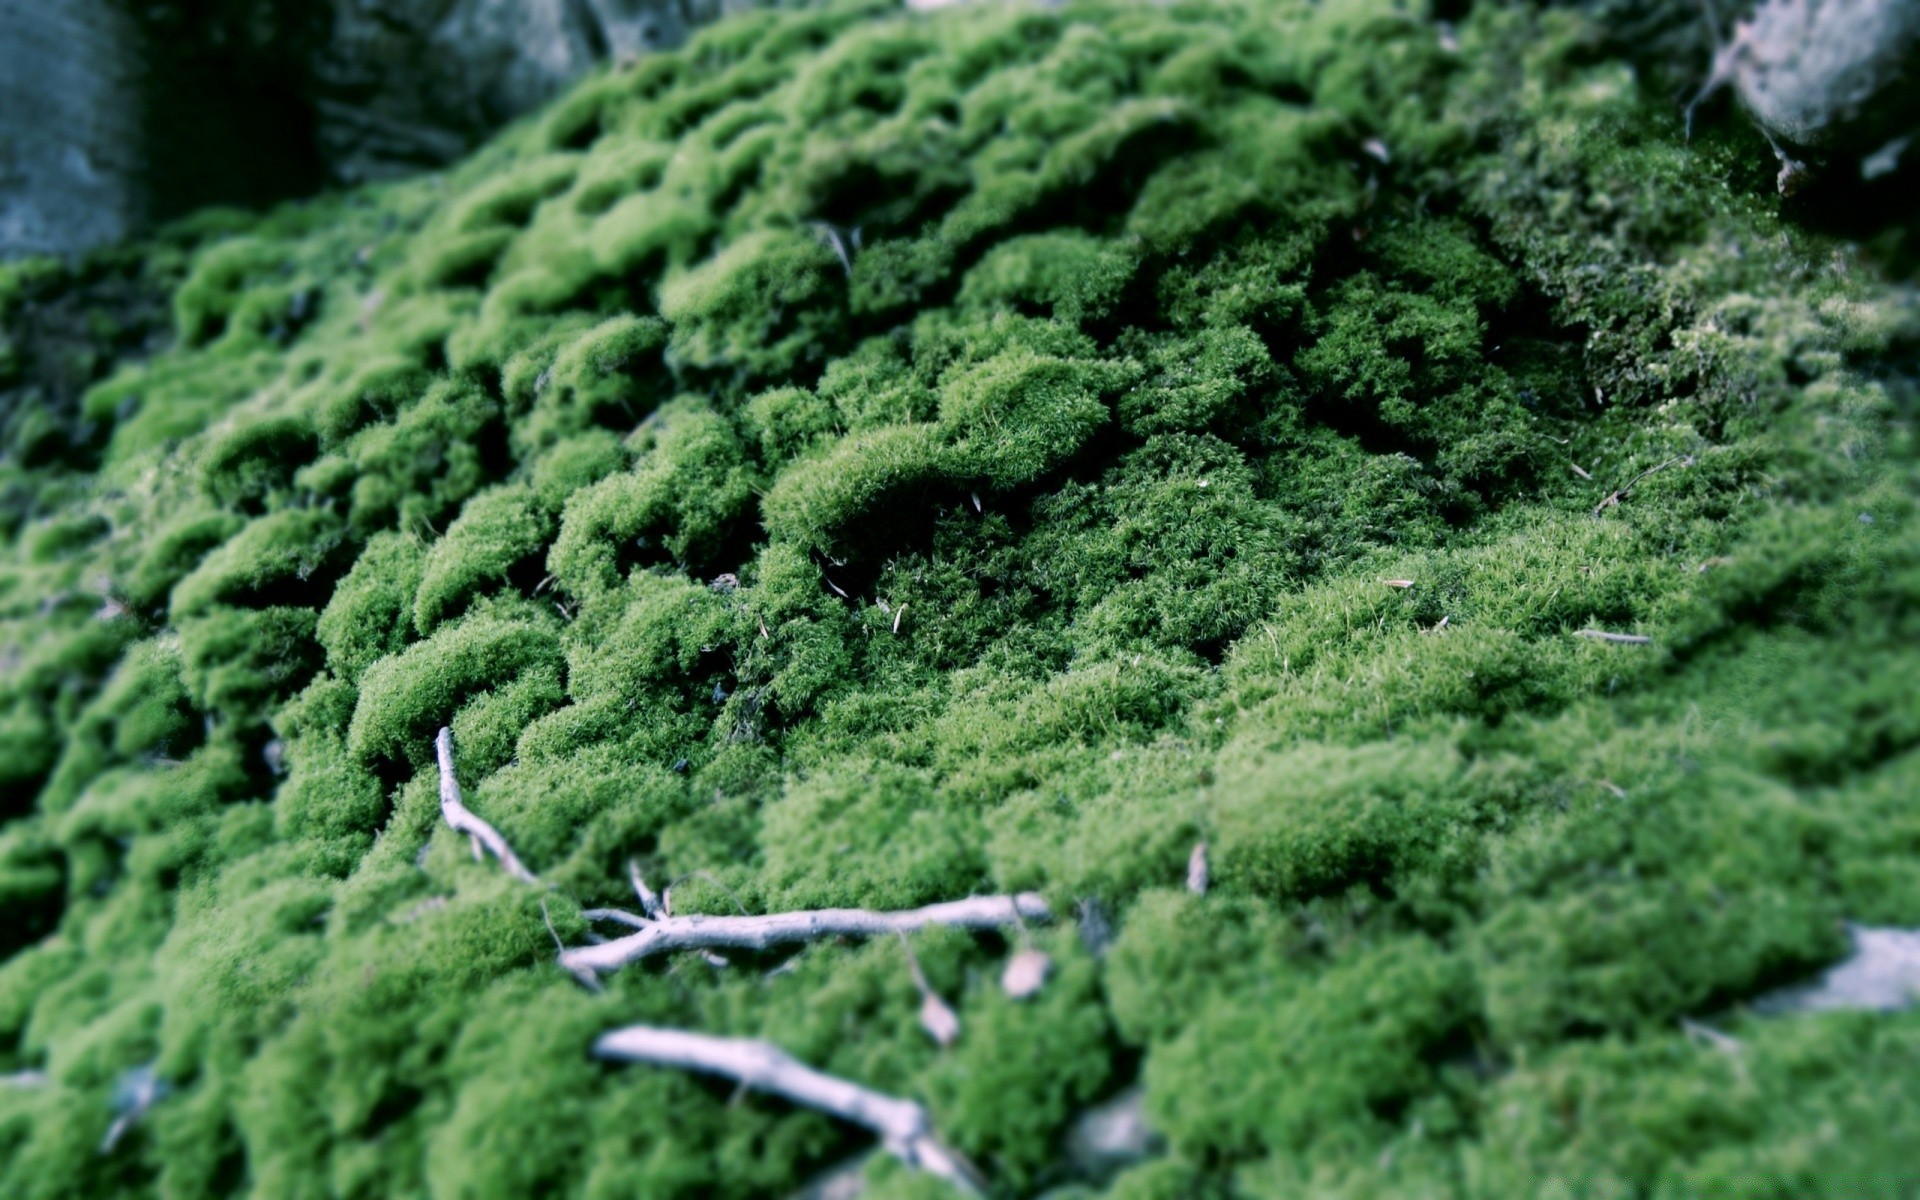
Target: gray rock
113 112
1829 74
1881 975
71 155
1830 82
401 84
1112 1136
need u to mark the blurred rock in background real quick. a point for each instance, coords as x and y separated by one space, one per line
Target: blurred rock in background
398 84
114 113
71 150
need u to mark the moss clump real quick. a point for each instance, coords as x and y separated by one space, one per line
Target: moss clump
866 458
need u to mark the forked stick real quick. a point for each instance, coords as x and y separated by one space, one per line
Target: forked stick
701 932
902 1125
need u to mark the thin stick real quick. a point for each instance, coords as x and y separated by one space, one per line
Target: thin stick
649 901
140 1090
463 819
903 1126
700 932
618 915
1684 460
1602 635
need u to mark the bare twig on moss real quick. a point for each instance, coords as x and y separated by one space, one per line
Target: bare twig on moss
465 820
1619 639
24 1079
903 1126
843 244
618 915
701 932
1027 970
650 905
1620 493
1199 873
936 1015
1707 1035
139 1090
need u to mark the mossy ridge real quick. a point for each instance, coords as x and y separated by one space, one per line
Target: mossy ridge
1025 538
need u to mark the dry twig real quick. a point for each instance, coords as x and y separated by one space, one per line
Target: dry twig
936 1015
702 932
1026 971
1199 874
1620 493
903 1126
1621 639
464 820
139 1090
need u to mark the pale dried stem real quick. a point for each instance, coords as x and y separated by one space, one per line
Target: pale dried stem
619 915
702 932
1621 639
1619 494
903 1126
464 820
649 901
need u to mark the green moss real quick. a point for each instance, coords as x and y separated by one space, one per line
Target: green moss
237 661
607 375
406 696
873 458
688 490
175 549
1600 952
288 550
373 390
496 531
218 284
912 852
824 497
1316 1062
370 613
1316 820
1005 1107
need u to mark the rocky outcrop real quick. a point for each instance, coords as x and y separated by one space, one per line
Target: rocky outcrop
71 153
399 85
112 112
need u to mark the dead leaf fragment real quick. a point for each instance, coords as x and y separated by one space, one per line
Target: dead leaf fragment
1026 973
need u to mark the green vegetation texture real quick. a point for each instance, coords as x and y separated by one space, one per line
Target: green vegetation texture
1023 539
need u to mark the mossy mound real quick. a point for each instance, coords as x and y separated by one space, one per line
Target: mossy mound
872 459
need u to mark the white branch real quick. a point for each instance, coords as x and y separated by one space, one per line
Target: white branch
700 932
1618 639
140 1089
464 820
618 915
902 1125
